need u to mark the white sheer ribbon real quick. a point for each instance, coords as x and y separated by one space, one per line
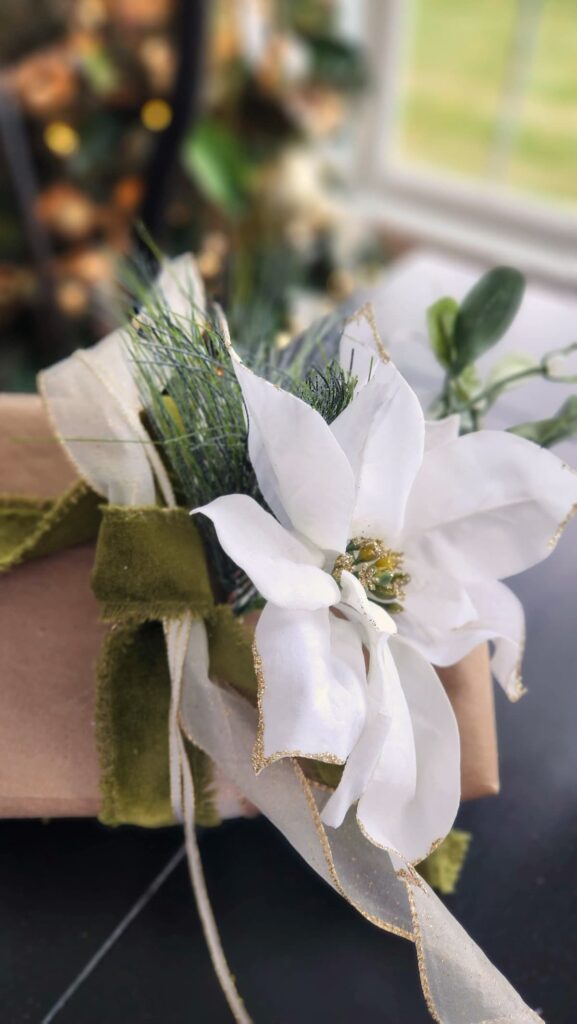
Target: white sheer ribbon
94 407
460 985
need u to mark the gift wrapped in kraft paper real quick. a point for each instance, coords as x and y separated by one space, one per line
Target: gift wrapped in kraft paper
51 636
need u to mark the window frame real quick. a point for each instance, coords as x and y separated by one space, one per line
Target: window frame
488 222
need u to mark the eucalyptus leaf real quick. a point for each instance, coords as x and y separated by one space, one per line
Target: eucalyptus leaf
485 314
467 385
509 366
551 431
441 318
217 162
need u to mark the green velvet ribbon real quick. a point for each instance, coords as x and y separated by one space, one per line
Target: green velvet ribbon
442 868
149 566
33 527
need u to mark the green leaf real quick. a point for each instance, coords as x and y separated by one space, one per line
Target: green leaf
485 314
217 162
549 432
467 384
508 366
441 318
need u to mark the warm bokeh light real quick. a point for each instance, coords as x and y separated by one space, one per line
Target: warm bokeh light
156 115
61 138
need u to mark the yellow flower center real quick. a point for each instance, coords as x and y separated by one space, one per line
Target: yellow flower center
377 568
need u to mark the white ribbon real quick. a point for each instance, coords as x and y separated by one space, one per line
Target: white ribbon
94 408
460 985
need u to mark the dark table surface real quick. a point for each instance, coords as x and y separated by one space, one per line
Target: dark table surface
298 951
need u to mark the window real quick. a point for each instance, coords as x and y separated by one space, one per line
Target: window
470 135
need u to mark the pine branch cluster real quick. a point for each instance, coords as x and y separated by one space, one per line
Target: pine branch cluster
194 410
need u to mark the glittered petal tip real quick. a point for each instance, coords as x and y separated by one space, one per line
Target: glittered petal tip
408 809
311 676
488 505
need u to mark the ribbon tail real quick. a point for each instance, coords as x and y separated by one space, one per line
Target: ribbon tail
460 985
212 937
177 636
187 638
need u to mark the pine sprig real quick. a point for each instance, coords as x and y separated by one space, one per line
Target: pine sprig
329 390
194 406
194 410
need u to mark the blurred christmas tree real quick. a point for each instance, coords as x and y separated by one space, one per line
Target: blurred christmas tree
279 89
82 92
207 122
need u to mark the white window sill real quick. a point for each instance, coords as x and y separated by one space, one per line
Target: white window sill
492 226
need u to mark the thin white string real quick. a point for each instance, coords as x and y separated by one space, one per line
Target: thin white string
114 936
177 636
222 970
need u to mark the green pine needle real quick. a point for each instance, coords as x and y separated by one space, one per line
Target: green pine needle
194 410
329 391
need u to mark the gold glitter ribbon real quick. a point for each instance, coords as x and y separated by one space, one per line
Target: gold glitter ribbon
459 983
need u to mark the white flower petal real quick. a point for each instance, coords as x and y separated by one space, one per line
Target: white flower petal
361 348
371 618
440 647
501 619
497 615
388 720
388 728
282 567
301 470
438 432
434 600
410 818
382 434
358 771
487 506
313 703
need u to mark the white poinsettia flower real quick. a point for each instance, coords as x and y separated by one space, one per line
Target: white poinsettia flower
315 698
481 508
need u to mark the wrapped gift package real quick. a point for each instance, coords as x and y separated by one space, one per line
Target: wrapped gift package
50 640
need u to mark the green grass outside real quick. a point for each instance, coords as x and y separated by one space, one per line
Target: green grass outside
456 72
